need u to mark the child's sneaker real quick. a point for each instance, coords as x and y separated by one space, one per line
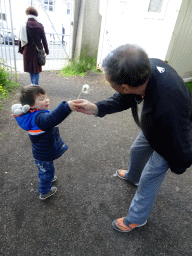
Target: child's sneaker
51 192
121 227
54 179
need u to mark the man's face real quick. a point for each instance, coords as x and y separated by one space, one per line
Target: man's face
123 88
126 89
41 102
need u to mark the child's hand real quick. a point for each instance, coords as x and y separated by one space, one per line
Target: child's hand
86 107
72 106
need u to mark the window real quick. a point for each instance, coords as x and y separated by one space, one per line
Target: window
155 6
68 8
49 5
156 9
2 16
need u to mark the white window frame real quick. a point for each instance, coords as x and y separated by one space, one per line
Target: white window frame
46 6
68 5
156 15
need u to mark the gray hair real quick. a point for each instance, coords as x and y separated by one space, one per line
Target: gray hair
127 64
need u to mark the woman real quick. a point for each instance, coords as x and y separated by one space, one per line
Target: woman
32 34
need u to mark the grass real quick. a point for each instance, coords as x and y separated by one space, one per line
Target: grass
189 85
7 85
80 68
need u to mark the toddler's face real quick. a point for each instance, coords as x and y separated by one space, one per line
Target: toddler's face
41 102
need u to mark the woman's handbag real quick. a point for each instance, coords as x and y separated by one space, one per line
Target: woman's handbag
41 56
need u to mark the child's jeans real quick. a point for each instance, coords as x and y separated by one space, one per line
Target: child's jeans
46 172
148 168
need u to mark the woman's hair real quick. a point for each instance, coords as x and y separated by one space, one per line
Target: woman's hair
127 64
29 93
31 10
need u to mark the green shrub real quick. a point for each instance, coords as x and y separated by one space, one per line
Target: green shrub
6 85
79 68
189 85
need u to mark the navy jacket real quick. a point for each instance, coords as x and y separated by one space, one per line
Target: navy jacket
166 118
41 125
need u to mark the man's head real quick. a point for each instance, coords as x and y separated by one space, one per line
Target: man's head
35 97
127 65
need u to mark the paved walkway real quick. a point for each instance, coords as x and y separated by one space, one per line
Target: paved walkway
77 219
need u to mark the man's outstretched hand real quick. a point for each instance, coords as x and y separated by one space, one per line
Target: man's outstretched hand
86 107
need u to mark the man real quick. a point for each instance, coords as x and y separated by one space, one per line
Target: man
63 34
165 121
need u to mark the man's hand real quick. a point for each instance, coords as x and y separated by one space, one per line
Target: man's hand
86 107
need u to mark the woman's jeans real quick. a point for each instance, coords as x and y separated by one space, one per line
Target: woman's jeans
46 172
34 78
147 168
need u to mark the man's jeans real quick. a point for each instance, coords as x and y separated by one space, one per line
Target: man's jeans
147 168
34 78
46 172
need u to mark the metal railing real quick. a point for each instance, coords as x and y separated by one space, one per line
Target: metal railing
5 55
59 49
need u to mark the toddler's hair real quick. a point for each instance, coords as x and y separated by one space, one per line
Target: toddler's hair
29 93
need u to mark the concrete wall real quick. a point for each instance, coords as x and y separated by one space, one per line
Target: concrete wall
128 21
75 20
88 27
179 54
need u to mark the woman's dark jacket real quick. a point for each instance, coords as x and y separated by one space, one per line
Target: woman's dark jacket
166 118
29 51
47 144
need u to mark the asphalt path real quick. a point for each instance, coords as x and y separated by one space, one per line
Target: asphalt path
77 219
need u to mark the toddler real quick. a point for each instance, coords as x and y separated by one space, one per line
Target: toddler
42 127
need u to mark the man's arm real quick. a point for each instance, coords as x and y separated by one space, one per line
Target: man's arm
117 103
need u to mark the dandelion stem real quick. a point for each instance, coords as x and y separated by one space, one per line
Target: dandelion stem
80 94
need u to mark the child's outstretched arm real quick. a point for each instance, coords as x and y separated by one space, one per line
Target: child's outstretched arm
46 121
